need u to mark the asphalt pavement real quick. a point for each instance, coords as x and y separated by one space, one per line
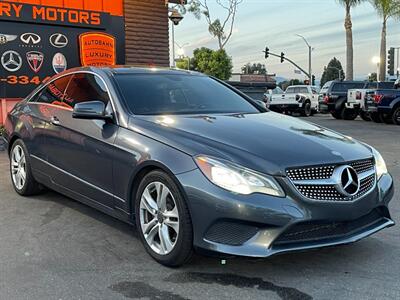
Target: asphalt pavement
52 247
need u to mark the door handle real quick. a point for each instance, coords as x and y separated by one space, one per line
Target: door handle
55 121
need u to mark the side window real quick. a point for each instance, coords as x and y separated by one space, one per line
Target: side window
53 92
85 87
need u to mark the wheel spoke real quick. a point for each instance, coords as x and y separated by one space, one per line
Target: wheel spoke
149 226
22 173
165 241
151 235
149 203
162 194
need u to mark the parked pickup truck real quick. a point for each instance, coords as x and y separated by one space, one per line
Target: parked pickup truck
384 105
297 98
355 97
334 99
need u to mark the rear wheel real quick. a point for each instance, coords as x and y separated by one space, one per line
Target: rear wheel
307 110
163 220
365 116
349 114
396 116
375 116
20 170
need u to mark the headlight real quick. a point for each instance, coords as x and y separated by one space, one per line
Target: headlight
380 164
237 179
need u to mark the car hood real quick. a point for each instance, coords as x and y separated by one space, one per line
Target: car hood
267 142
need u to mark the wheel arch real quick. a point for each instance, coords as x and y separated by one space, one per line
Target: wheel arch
137 176
395 104
13 138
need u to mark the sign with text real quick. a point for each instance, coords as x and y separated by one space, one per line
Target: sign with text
97 49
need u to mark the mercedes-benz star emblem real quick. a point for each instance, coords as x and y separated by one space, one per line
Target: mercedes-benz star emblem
348 182
30 38
58 40
5 38
11 61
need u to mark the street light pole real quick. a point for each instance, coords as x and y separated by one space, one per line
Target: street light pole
175 17
309 57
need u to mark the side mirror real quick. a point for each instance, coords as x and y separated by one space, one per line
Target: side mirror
93 110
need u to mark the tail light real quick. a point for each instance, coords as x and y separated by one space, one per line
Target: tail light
358 95
378 98
326 99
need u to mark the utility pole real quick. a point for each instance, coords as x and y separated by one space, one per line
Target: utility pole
309 57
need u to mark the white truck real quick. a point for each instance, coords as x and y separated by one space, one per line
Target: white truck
296 98
356 97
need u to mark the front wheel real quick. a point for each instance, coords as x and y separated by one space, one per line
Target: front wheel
163 220
21 172
307 110
336 115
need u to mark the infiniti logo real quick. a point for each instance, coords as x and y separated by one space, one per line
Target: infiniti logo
30 38
347 180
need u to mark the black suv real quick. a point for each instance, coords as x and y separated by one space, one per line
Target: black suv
334 99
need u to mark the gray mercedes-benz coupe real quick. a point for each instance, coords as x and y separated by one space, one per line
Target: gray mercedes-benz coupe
195 164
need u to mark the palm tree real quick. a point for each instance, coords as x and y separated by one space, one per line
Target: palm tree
386 9
348 25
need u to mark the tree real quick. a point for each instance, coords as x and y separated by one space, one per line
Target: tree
183 62
373 77
254 69
331 72
284 84
348 25
214 63
385 9
222 30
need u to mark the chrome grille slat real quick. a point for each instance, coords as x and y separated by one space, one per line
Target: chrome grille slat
316 182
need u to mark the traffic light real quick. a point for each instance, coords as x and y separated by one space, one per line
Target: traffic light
266 52
391 61
282 57
313 80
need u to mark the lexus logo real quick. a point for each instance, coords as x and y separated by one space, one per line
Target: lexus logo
11 61
30 38
347 179
58 40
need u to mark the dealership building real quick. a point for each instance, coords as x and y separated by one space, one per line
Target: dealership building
40 38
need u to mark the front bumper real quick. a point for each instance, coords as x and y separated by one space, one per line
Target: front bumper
255 225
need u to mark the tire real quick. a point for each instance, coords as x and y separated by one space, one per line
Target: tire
376 117
177 247
365 116
349 114
336 115
396 116
20 171
307 110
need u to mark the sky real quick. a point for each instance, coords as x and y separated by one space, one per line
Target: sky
275 23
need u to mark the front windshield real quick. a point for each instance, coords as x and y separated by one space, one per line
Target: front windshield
155 94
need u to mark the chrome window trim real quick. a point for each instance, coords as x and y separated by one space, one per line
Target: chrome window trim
71 74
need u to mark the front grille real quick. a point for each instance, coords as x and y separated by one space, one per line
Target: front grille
315 182
229 233
314 231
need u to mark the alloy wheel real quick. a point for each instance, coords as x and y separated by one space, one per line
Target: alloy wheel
18 167
159 218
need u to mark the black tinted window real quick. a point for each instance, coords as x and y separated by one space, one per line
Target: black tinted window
344 86
386 85
152 94
53 92
85 87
